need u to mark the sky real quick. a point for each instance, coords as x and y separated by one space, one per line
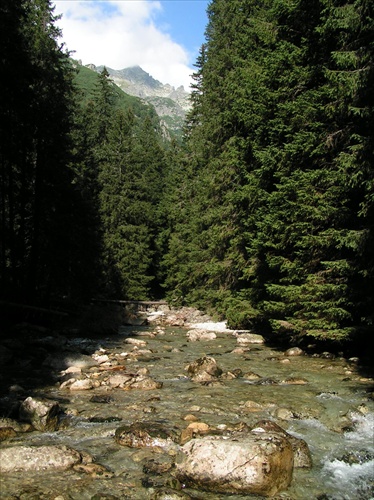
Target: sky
161 36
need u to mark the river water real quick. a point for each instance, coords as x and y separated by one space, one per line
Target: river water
331 408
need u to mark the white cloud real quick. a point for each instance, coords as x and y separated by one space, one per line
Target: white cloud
120 34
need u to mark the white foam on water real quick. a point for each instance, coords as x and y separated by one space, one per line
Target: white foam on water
363 430
212 326
329 395
350 481
353 481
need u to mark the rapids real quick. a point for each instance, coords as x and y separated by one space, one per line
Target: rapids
332 410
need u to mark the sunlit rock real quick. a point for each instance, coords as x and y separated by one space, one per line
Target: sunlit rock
294 351
119 380
136 342
101 358
302 456
251 376
257 463
203 369
284 414
38 458
194 429
244 339
295 381
42 414
200 335
252 407
82 385
144 383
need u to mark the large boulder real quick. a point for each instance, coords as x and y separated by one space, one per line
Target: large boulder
42 414
203 369
259 463
38 458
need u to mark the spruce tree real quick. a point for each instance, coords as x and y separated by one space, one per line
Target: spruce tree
36 106
279 204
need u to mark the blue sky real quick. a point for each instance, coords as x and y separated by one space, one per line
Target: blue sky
161 36
187 22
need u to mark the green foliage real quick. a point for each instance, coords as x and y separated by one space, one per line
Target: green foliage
264 216
86 81
277 216
130 190
120 173
240 314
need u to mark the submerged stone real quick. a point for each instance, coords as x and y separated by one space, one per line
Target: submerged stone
147 434
249 338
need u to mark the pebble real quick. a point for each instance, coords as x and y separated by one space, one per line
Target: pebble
190 418
195 408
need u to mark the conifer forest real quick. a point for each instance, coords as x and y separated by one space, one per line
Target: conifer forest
261 215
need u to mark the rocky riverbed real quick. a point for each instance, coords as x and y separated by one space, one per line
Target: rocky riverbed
180 408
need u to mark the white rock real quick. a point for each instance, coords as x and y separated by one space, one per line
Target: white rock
104 358
82 385
198 334
249 338
257 463
71 369
38 458
136 342
118 380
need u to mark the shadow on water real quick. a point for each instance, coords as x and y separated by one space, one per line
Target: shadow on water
359 351
36 343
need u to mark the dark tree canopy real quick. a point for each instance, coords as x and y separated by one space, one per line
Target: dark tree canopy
281 139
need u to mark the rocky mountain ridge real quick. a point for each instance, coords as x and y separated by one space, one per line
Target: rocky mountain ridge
170 103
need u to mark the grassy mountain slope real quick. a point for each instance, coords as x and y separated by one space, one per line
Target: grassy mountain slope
86 80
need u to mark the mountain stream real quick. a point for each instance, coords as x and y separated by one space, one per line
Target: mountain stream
327 402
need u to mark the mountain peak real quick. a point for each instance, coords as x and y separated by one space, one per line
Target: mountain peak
137 75
170 104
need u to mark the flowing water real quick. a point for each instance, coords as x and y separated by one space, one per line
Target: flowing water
333 411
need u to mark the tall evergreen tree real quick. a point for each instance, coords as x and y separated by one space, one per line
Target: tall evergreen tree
130 191
282 195
311 234
34 178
